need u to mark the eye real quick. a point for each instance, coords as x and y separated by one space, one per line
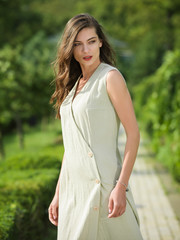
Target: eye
76 44
92 41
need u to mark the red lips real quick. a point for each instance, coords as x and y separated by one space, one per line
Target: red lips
87 58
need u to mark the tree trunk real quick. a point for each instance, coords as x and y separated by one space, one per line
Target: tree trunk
20 132
2 152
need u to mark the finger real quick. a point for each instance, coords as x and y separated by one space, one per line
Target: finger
55 222
51 217
110 206
115 212
55 212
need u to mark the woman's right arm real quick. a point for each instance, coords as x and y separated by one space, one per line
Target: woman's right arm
57 186
54 205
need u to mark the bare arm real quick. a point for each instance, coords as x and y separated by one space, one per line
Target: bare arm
57 186
121 100
54 205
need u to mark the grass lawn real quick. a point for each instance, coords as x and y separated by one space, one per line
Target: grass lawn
35 138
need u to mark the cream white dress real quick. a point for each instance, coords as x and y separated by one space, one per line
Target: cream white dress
91 166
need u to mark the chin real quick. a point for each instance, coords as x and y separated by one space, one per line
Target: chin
91 62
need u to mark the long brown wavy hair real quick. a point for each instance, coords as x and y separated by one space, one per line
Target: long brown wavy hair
67 69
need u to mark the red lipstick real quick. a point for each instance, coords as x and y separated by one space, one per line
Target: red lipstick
87 58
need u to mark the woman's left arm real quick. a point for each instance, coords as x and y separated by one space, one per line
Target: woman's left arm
121 100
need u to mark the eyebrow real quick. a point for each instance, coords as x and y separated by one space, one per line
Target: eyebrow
87 40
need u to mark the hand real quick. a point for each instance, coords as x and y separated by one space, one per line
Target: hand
53 210
117 202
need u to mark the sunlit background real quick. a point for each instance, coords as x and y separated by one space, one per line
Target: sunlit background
145 35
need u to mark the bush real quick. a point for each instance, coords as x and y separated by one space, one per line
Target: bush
176 171
159 111
28 193
7 218
46 158
27 186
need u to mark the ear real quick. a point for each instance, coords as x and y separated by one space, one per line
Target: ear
100 44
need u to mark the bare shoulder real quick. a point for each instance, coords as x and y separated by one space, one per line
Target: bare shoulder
115 81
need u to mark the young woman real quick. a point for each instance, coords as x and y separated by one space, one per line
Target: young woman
93 200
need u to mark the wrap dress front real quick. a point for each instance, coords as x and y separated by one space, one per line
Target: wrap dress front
92 165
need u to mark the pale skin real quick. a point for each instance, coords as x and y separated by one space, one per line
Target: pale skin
87 44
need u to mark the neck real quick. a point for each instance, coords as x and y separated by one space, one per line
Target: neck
87 71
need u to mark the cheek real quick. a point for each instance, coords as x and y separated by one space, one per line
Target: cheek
75 54
97 49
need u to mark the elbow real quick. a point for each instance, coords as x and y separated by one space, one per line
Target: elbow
134 134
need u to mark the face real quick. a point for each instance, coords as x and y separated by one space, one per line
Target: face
87 47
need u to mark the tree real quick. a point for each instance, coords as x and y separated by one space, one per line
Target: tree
25 82
18 21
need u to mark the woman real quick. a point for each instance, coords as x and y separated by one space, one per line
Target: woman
93 200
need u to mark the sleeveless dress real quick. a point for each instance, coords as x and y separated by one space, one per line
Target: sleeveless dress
91 166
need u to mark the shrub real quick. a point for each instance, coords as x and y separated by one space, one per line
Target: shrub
46 158
7 217
159 110
27 185
27 195
176 171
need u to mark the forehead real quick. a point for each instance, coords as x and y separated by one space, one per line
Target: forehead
86 33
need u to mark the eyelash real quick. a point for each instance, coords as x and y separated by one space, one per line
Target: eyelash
90 42
76 44
93 41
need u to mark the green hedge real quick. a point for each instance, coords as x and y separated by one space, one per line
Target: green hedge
47 158
158 108
27 185
7 217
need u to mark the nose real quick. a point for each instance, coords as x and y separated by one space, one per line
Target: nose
85 48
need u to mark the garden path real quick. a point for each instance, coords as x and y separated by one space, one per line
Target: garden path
157 218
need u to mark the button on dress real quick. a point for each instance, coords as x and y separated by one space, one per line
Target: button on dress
92 165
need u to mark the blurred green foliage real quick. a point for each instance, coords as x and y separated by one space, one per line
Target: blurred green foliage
158 107
26 199
27 182
24 74
25 83
27 185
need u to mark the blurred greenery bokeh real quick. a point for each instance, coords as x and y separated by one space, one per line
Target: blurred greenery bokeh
145 35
